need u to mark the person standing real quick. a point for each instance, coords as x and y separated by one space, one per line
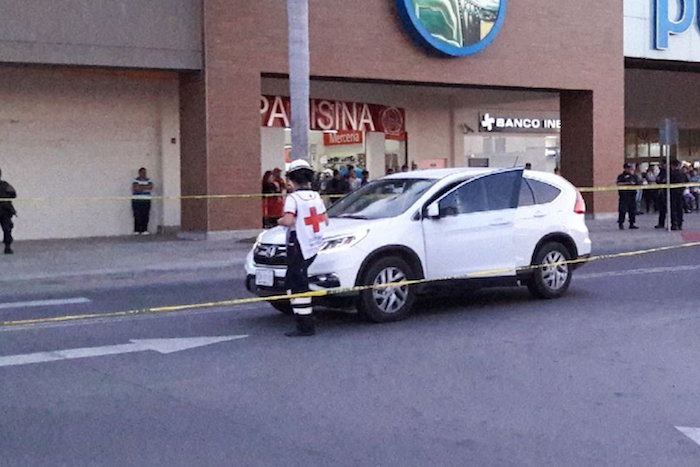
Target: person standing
661 179
7 211
141 189
305 219
627 198
677 176
695 191
353 181
365 178
649 196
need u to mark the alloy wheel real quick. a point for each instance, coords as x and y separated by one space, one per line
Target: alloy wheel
555 271
390 299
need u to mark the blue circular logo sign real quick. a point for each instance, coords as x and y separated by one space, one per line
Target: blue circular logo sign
453 27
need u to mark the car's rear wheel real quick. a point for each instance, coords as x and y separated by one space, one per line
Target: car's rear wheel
283 306
551 277
386 303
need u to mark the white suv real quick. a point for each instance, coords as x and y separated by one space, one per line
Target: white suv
470 227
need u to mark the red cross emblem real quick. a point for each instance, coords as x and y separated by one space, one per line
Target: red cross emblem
315 219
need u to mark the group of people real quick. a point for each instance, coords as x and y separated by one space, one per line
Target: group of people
329 183
683 199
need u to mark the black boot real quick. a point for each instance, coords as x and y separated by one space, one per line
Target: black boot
305 327
8 250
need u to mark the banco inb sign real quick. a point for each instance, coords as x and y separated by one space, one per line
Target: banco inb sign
453 27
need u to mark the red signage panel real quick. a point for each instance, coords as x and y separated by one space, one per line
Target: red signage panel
342 137
327 115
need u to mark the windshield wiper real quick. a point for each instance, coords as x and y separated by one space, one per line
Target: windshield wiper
352 216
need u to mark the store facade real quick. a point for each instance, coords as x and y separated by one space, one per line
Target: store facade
662 79
198 92
567 71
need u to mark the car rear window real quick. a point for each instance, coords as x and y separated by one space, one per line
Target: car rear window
544 192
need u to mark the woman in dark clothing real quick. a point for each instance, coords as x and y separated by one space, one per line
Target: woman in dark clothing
268 187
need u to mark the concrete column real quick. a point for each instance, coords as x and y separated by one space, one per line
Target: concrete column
193 152
577 139
375 146
592 143
170 157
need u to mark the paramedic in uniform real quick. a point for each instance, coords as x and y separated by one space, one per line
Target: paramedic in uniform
305 219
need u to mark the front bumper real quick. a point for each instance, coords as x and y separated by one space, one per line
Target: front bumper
329 271
326 281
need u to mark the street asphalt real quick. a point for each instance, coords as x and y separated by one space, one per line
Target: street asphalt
605 376
158 259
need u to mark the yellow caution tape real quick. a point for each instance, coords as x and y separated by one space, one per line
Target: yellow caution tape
599 189
326 292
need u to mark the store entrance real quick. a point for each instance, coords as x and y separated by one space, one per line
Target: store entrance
344 137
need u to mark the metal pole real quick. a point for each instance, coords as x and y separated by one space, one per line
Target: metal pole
668 188
298 21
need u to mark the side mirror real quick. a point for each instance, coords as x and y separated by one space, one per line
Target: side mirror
434 210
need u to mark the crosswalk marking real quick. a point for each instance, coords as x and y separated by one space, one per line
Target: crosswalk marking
38 303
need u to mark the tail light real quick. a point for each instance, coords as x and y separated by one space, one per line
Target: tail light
580 206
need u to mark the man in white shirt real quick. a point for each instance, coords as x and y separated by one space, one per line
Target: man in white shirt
305 219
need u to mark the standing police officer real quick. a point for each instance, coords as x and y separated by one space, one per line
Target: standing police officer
627 202
305 219
677 176
7 211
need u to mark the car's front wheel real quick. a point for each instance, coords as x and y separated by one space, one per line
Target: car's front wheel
552 275
384 302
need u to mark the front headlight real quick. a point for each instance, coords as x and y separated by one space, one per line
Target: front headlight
258 240
343 241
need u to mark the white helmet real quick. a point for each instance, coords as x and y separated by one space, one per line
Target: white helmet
298 164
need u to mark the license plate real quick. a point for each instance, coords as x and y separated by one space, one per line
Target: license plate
265 277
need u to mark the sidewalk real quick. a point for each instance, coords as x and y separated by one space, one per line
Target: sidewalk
46 265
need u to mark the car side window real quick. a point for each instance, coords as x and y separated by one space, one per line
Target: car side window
502 190
527 197
489 193
544 192
470 197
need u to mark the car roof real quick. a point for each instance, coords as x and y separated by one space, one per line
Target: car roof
438 174
441 173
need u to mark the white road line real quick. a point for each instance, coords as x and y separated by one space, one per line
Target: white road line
690 432
37 303
164 346
634 272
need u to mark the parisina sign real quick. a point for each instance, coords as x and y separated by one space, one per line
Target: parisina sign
326 115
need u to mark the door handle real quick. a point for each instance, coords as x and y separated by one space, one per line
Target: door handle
498 222
540 214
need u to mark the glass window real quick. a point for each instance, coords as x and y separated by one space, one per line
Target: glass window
502 190
489 193
631 143
527 197
382 198
695 144
684 144
470 197
544 192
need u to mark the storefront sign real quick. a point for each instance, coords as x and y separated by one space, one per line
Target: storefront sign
500 123
456 28
337 115
662 29
342 137
665 24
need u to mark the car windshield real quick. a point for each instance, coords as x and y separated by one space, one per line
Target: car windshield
381 198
